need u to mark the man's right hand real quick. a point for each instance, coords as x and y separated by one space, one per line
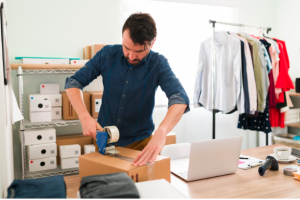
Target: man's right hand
90 126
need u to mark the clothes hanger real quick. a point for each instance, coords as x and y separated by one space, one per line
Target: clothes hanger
265 35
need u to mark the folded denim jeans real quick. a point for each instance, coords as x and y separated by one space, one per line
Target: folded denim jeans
117 185
49 187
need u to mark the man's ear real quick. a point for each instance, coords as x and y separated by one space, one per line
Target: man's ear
152 43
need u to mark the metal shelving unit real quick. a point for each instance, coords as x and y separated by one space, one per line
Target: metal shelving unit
51 172
24 124
53 71
54 123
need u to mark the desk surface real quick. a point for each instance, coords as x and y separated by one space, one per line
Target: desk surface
242 184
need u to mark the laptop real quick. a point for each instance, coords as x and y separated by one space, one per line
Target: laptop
209 158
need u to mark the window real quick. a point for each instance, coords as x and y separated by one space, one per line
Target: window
181 28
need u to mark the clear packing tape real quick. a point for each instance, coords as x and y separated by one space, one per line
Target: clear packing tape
111 134
150 166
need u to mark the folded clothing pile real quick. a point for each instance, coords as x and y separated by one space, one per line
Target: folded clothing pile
49 187
117 185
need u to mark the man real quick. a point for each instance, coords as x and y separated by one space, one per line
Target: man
131 74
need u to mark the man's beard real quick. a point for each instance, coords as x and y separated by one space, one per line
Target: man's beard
138 61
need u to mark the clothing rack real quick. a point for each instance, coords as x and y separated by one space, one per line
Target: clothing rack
213 22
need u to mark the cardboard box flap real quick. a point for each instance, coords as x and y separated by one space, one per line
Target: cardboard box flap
119 161
134 153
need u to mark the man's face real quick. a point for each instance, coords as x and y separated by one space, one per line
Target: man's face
134 53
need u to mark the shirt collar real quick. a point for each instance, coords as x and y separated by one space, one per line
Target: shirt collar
221 37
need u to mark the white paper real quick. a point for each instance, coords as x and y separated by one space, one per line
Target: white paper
16 114
248 162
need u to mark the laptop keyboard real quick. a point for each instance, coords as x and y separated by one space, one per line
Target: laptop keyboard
183 174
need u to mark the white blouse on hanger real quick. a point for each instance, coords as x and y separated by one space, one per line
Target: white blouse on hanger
228 74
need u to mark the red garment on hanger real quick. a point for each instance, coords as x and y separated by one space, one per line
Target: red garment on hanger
284 82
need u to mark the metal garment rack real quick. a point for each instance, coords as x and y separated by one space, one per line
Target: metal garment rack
213 22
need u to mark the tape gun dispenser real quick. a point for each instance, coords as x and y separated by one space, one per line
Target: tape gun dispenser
104 139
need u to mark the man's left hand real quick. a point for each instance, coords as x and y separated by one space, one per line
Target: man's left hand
152 149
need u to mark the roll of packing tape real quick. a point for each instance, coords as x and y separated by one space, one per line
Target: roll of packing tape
289 171
113 133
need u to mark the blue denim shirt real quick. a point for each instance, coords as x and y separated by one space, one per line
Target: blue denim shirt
129 91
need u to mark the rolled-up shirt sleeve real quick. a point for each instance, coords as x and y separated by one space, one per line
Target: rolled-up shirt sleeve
85 75
72 83
171 85
177 99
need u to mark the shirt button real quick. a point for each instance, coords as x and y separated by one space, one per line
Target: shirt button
126 81
119 120
121 107
124 95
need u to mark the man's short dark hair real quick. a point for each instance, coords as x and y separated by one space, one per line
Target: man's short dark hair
142 28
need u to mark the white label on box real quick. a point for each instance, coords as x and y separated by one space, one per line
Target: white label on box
56 99
69 151
42 164
49 88
39 105
98 103
67 163
56 113
44 61
40 116
40 136
41 150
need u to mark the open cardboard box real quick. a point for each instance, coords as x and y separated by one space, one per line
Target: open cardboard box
96 164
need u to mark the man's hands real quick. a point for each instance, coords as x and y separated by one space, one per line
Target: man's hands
152 149
90 126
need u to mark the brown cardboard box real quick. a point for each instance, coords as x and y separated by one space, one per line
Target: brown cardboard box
68 110
96 99
171 138
95 48
72 139
83 53
87 52
96 164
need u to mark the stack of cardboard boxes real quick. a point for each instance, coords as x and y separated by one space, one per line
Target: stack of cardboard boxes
96 102
41 149
68 140
47 105
68 110
90 51
69 156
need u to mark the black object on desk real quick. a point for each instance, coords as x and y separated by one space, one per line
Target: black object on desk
270 163
244 158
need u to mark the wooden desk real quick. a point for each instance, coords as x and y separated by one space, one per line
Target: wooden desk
242 184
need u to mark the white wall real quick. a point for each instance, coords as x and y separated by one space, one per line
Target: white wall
287 21
57 29
63 28
6 151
